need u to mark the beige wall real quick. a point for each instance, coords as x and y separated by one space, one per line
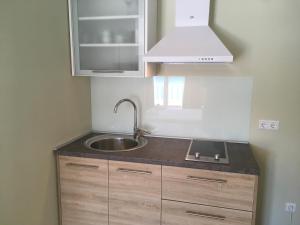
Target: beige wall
264 37
41 105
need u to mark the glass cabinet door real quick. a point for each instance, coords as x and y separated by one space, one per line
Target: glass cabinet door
107 37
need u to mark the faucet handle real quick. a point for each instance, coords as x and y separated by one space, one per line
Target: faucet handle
145 131
141 132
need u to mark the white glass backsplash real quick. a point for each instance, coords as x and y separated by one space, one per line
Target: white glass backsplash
191 106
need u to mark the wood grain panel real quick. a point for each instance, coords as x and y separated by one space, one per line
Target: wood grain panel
178 213
83 191
255 201
134 194
221 189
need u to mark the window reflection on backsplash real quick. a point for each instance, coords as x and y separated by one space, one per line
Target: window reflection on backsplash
175 106
175 91
168 91
191 106
159 91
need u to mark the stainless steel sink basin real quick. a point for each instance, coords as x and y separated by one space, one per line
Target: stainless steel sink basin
115 143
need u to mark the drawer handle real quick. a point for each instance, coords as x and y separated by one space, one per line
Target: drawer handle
82 165
123 170
220 181
108 71
205 215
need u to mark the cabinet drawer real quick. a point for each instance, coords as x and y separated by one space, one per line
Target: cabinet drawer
228 190
178 213
83 191
134 193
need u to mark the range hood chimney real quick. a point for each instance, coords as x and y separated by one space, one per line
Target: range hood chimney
192 40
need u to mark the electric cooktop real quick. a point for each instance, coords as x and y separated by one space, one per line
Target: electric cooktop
208 151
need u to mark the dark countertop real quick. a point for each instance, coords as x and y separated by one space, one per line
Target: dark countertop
168 152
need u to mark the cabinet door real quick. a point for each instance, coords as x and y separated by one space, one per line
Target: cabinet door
134 194
108 37
83 191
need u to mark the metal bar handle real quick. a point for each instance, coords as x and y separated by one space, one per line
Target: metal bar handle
205 215
124 170
108 71
82 165
220 181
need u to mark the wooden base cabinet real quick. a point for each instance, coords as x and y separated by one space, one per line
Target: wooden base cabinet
83 191
104 192
134 194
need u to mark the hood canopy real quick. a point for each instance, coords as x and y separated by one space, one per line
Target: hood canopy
192 41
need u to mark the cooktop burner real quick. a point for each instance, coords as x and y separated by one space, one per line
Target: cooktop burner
208 151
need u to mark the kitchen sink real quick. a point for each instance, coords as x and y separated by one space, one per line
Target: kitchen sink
115 143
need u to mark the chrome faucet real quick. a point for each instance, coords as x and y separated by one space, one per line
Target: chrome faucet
136 131
135 113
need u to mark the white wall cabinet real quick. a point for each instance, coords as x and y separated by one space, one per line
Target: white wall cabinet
110 37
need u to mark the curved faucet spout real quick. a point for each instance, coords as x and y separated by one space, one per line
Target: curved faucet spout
135 129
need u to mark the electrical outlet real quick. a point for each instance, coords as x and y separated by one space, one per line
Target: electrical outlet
268 124
290 207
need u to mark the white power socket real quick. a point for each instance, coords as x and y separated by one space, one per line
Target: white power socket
268 124
290 207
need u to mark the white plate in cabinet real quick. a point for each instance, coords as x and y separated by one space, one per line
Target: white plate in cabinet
221 189
178 213
109 38
83 184
134 193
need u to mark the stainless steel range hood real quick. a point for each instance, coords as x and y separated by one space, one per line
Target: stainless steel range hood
192 40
